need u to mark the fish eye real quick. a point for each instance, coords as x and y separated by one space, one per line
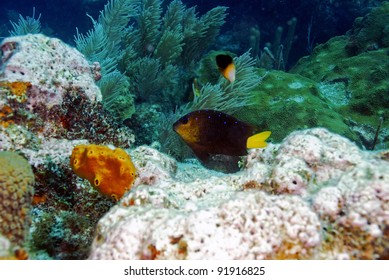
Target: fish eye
184 120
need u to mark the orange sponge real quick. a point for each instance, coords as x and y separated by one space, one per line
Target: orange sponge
111 172
18 89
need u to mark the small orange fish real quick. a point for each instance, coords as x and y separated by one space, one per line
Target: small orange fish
226 66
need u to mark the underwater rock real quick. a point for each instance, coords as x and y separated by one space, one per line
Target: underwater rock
50 66
49 102
370 32
255 213
352 73
6 250
285 102
48 90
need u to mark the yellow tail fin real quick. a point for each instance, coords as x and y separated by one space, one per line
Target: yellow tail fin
258 140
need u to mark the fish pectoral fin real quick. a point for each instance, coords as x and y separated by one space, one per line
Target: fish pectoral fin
258 140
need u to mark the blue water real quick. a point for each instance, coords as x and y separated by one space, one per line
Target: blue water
317 20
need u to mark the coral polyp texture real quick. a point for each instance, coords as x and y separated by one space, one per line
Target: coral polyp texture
316 195
110 171
16 191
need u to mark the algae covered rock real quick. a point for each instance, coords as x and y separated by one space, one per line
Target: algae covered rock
370 32
287 102
352 72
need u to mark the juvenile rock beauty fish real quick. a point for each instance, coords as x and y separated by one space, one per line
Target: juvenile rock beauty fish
226 66
211 133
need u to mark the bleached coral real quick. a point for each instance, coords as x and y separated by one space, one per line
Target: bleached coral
48 90
312 155
51 151
341 211
64 68
267 227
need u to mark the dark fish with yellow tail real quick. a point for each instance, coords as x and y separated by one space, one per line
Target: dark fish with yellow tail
209 133
226 66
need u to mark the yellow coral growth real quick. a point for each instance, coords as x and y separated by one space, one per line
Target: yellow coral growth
17 89
111 172
5 114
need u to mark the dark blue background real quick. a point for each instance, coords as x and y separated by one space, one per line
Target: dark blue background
328 18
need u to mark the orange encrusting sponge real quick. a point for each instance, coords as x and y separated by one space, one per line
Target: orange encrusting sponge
111 172
18 89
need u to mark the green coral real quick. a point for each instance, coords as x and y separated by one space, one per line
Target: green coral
356 86
224 95
103 44
162 49
286 102
370 32
352 72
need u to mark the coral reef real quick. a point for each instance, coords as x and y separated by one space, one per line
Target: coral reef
65 208
110 171
155 50
16 191
285 102
352 73
64 69
370 32
49 89
310 197
48 102
315 195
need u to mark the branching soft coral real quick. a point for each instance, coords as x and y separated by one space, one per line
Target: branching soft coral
103 44
160 47
150 48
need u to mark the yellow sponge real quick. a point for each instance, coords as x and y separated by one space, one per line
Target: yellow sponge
111 172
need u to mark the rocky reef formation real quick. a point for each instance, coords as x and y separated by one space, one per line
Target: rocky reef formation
352 73
49 101
314 196
48 90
